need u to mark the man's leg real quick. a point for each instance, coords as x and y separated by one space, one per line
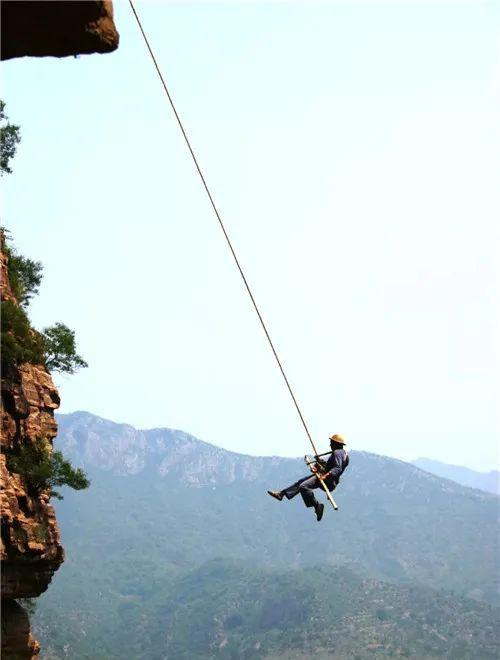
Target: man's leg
294 489
305 487
306 490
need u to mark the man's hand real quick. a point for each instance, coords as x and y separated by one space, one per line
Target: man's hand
318 470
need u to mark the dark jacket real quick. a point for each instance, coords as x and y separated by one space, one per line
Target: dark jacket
335 465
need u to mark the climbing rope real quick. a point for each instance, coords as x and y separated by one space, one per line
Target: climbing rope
226 236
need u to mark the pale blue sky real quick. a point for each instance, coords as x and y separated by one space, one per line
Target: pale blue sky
353 152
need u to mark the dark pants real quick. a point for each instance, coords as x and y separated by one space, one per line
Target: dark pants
305 487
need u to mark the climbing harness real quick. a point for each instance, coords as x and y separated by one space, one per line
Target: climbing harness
230 245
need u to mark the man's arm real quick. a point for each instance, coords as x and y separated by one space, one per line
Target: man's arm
334 465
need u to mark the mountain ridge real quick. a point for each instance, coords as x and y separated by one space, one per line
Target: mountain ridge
488 482
396 521
191 442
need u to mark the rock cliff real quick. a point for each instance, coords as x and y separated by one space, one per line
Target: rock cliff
57 28
30 549
17 641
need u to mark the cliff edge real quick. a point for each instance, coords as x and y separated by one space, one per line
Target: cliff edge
57 29
30 549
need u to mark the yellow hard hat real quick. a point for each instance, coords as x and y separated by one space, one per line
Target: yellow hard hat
338 439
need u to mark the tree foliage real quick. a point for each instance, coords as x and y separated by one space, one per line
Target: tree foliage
44 469
60 349
9 139
20 343
25 276
55 346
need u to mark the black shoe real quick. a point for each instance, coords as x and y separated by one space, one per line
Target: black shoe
277 494
319 511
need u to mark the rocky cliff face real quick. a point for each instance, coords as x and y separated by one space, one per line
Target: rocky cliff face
57 28
17 641
30 550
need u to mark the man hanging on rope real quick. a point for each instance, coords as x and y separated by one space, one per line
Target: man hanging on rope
329 472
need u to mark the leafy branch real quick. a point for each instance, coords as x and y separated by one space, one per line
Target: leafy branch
43 469
9 139
60 349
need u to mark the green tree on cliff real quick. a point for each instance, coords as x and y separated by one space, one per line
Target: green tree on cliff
9 139
44 469
25 276
55 346
60 349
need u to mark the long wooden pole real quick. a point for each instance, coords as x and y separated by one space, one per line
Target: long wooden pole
328 494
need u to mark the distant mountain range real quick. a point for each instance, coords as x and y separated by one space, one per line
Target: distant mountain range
176 552
487 481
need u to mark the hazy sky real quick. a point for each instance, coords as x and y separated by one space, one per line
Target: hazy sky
353 151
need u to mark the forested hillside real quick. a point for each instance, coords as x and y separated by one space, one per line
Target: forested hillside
228 609
163 505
